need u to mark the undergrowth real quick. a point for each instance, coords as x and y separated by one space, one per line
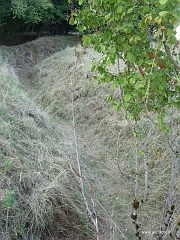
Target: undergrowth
40 192
108 145
38 197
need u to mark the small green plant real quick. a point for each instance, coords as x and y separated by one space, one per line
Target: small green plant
10 200
7 166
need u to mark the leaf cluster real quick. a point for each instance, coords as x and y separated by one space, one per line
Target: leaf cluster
27 12
121 31
5 11
33 10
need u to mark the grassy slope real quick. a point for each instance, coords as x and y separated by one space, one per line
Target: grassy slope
106 151
106 141
36 194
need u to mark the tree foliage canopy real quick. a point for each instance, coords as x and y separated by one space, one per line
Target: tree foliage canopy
141 35
5 11
124 30
32 10
28 12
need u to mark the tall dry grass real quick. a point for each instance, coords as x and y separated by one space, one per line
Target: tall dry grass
107 146
39 199
45 186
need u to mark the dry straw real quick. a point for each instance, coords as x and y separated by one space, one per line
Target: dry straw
38 156
37 196
107 143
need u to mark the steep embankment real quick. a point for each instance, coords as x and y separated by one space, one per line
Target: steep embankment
108 150
39 199
25 56
41 187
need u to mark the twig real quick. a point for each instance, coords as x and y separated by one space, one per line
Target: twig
170 57
135 201
91 215
170 207
135 204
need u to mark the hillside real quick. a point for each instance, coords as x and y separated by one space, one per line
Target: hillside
37 193
40 190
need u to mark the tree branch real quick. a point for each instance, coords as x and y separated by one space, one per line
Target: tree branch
170 57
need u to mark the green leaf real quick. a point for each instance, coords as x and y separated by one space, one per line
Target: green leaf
119 9
146 8
161 123
71 21
135 93
130 10
108 16
107 35
131 57
163 13
114 85
86 40
140 152
139 85
127 96
163 1
123 14
97 2
129 116
103 48
108 78
137 38
80 28
117 106
132 80
93 67
110 61
123 81
139 136
80 2
140 62
112 1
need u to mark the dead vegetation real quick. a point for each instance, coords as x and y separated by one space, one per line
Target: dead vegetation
38 199
25 56
38 156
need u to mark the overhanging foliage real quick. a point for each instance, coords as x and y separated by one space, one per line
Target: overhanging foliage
125 30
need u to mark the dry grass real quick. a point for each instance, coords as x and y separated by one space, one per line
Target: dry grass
107 153
24 57
107 143
37 196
